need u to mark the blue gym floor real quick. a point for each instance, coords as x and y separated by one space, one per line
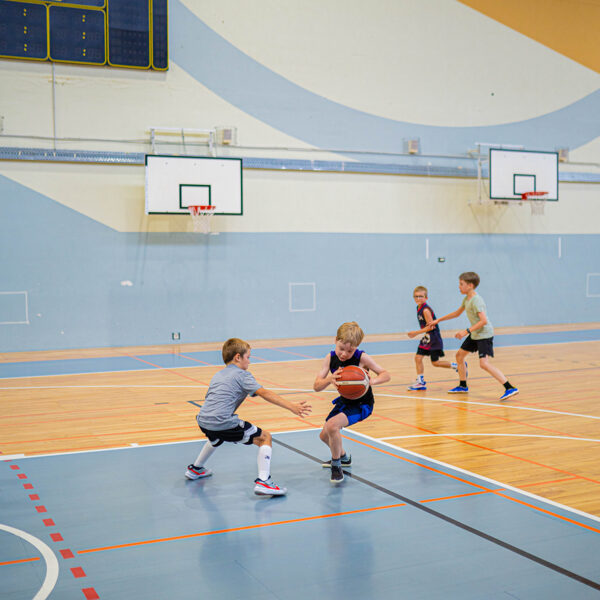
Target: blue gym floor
400 526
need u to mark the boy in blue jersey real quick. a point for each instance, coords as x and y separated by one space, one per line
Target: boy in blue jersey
431 343
346 412
480 336
227 390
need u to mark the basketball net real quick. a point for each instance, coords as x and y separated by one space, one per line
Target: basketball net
201 217
537 201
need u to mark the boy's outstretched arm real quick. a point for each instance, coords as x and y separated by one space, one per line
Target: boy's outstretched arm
383 376
452 315
302 408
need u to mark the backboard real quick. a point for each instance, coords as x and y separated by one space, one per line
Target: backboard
514 172
175 182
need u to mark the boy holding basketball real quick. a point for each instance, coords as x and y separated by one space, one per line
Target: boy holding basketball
431 343
346 412
480 336
226 392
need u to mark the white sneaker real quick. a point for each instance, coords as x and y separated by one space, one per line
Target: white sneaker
268 488
197 472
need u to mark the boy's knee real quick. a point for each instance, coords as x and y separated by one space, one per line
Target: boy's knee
435 363
264 439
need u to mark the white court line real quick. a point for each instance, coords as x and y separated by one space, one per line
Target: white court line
481 477
49 557
197 440
527 435
310 391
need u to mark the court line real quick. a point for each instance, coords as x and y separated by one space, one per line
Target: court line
311 391
52 568
493 450
16 562
488 415
274 361
460 524
450 467
552 437
195 440
242 528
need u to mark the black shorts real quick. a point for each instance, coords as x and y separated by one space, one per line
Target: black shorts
242 433
434 354
485 347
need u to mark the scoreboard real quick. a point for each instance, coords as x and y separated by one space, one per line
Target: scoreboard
117 33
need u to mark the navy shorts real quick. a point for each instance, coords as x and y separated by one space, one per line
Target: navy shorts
434 354
244 434
485 347
354 411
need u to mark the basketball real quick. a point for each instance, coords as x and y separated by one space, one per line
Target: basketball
353 383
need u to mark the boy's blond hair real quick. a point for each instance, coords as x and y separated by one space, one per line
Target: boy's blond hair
350 333
421 288
470 277
232 347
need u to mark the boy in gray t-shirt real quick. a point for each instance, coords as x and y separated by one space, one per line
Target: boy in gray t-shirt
218 421
480 336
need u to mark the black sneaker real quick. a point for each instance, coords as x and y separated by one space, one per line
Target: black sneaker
346 462
337 475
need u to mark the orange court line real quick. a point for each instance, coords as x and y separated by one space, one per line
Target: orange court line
243 528
167 370
547 482
548 512
497 492
16 562
509 420
414 462
461 495
527 460
201 361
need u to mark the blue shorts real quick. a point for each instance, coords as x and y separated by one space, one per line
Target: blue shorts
354 411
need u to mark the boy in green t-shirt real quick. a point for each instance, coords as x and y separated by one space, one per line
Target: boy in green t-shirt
480 336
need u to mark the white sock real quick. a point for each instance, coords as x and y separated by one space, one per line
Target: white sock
204 455
420 378
264 462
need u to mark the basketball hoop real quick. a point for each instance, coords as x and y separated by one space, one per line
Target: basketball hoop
537 201
201 217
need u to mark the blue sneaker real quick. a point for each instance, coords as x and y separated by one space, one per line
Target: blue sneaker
459 389
508 393
417 387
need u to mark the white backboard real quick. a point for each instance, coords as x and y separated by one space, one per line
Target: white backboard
514 172
175 182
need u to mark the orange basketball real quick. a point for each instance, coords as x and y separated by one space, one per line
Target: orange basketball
353 383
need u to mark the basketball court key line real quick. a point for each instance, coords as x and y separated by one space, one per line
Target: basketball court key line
456 523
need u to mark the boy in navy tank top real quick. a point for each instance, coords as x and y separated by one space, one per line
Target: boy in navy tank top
346 412
431 343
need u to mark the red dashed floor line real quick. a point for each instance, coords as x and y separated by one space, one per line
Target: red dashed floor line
66 553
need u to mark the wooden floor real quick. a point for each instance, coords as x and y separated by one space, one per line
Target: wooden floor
545 441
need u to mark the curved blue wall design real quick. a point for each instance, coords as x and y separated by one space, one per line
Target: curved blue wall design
260 92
